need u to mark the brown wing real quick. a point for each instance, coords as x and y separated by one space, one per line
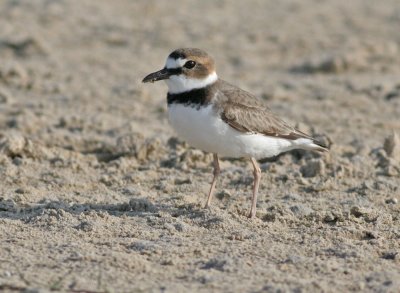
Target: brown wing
245 113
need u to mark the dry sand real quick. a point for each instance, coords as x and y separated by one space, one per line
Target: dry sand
98 195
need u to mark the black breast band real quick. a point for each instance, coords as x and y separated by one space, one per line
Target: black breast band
195 97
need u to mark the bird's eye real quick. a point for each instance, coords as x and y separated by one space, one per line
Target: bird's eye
190 64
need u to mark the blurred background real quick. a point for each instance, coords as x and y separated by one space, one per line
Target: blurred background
96 192
85 62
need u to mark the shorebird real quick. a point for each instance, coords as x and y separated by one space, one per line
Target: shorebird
218 117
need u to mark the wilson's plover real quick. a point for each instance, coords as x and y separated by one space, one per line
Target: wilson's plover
220 118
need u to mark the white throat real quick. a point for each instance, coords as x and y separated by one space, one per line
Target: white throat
180 83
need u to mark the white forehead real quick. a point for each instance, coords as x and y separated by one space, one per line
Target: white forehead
175 63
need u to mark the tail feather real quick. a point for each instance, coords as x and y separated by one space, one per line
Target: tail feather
319 146
311 144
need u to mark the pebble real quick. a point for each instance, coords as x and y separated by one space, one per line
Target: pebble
5 96
368 214
391 146
141 205
85 226
313 168
301 210
14 74
12 144
391 201
152 147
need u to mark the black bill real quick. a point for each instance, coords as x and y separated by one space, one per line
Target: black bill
162 74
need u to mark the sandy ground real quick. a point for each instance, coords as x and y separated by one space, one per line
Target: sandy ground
98 195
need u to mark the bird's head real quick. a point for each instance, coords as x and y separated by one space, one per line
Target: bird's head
186 69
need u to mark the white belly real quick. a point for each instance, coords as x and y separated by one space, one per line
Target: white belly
204 129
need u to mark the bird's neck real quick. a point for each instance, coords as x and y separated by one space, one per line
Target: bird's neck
178 84
195 97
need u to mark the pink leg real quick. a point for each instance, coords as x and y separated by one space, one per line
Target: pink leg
257 177
216 174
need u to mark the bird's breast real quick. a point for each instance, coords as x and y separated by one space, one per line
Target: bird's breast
203 128
200 126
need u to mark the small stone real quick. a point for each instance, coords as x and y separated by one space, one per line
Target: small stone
236 236
168 262
169 227
7 205
370 235
12 144
392 95
150 148
181 227
391 170
369 215
223 265
301 210
17 161
176 144
20 191
5 96
313 168
270 217
129 143
302 181
181 181
391 255
330 218
106 180
130 191
141 205
391 201
85 226
25 46
195 158
14 74
33 290
323 185
357 212
391 145
75 256
164 187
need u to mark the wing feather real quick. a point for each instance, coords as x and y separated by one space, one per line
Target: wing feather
246 113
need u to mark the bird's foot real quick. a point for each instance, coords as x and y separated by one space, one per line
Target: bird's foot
252 215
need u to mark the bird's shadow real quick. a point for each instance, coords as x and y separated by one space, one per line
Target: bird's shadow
135 207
